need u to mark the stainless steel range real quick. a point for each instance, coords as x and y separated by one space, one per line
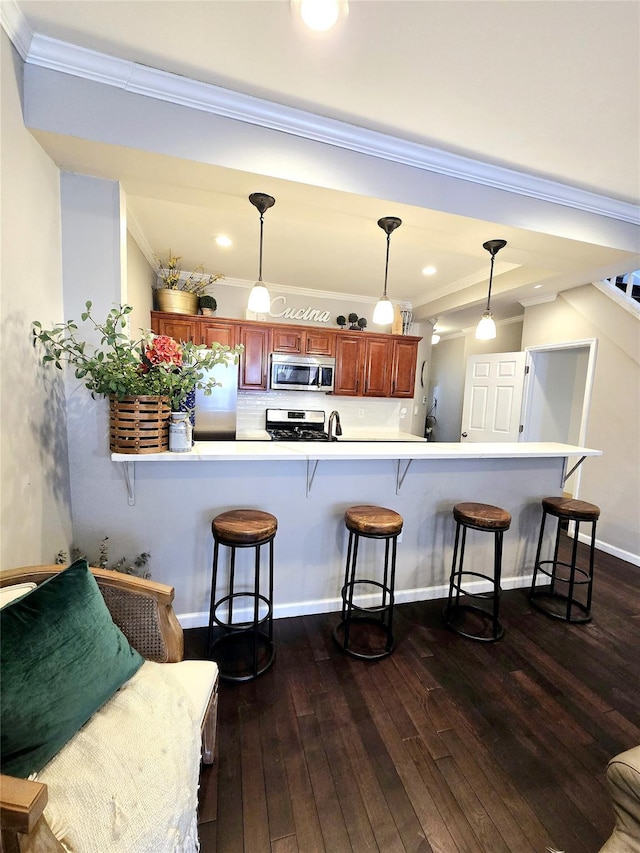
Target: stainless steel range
296 425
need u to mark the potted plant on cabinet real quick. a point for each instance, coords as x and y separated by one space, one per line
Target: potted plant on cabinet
207 305
145 379
177 292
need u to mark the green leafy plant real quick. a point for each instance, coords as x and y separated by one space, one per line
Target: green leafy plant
196 282
207 301
341 320
122 366
128 567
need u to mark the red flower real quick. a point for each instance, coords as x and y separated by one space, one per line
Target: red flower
164 350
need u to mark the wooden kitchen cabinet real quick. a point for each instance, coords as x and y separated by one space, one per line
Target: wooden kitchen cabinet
287 339
320 342
376 374
292 339
403 367
375 365
349 365
176 327
254 361
219 332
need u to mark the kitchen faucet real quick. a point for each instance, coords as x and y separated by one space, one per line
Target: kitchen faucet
334 417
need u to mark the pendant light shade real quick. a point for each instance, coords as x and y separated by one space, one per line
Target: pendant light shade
486 328
259 298
383 312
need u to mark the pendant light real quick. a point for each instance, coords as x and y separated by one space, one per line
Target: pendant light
486 329
259 299
383 312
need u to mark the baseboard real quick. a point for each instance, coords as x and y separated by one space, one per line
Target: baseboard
627 556
333 605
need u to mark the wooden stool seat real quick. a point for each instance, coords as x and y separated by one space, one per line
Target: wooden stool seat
567 508
482 516
373 521
244 526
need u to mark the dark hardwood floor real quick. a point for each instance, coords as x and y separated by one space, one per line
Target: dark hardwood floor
446 745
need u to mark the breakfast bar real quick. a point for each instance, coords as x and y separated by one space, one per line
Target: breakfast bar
309 485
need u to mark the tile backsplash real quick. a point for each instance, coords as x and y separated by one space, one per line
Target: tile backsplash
355 412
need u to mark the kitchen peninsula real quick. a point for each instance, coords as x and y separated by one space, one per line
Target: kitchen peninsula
309 485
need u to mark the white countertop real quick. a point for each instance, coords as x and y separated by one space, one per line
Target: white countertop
256 451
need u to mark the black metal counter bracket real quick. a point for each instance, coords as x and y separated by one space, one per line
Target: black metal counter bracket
577 465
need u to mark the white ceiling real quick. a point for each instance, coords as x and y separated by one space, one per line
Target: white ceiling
550 89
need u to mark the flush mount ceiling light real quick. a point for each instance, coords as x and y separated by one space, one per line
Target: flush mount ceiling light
259 299
486 329
383 312
320 15
223 241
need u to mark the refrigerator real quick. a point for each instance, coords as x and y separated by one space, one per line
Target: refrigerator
215 415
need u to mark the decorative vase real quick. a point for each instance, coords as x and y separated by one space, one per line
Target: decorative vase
139 424
208 312
189 405
180 433
176 301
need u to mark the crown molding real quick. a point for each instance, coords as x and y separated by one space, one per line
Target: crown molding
538 300
16 27
162 85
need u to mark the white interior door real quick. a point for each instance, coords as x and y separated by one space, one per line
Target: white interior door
493 392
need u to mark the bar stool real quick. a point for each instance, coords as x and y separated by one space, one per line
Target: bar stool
549 599
370 522
245 649
492 519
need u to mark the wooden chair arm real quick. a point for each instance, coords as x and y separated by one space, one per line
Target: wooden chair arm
141 608
21 803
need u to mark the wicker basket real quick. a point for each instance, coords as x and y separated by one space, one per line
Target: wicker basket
139 424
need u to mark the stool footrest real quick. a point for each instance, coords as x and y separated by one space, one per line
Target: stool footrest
557 579
234 655
538 598
364 620
451 613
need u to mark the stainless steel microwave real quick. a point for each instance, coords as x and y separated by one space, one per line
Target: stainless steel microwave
301 372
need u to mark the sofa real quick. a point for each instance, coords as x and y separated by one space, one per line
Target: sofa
104 725
623 783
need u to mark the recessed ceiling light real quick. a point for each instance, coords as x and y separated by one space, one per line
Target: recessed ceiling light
320 15
429 271
536 286
223 241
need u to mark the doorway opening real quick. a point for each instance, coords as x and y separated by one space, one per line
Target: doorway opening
557 397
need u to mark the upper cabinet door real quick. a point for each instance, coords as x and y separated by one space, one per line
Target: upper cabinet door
254 361
287 340
179 330
403 368
320 342
349 358
377 367
219 332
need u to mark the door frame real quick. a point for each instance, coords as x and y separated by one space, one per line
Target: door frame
531 351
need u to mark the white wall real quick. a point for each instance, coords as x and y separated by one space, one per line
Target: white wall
36 519
611 481
137 290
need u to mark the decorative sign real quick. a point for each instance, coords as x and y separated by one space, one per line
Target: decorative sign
313 315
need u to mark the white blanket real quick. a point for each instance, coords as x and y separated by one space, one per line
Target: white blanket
127 782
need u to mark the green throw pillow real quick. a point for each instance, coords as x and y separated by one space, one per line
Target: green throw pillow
61 658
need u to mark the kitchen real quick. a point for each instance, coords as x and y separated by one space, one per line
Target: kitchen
105 264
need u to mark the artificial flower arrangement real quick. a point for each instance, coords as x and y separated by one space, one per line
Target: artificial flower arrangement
170 274
154 365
